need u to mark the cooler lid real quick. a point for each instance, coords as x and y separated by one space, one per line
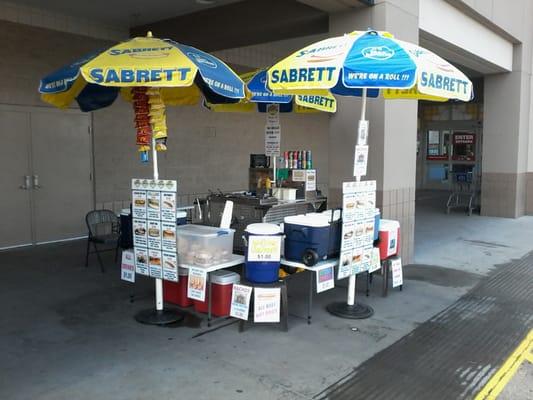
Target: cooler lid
183 271
310 220
388 225
202 230
125 211
223 277
263 229
181 214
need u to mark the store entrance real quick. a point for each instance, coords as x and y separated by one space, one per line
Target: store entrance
449 150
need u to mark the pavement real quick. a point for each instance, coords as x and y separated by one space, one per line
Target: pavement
68 332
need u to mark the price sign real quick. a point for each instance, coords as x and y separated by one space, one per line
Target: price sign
272 140
397 272
264 248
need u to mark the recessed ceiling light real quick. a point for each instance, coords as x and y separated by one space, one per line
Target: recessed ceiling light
206 2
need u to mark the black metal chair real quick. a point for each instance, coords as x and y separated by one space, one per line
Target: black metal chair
104 229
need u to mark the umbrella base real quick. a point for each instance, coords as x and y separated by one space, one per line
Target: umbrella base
158 317
344 310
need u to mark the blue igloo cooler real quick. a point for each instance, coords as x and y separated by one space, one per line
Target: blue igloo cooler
181 217
307 238
262 268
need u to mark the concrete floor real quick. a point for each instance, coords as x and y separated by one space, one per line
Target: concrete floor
68 332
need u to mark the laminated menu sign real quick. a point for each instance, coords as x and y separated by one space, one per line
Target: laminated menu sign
359 200
197 284
325 279
154 264
141 261
272 114
154 235
154 227
168 241
138 204
272 140
139 233
375 262
240 301
264 248
153 210
345 264
397 272
170 266
267 304
168 206
360 160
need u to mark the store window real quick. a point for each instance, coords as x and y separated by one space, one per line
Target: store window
438 145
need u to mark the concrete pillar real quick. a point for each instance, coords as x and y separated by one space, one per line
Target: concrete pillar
507 187
393 124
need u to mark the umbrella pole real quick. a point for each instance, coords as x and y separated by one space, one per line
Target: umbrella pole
159 316
350 309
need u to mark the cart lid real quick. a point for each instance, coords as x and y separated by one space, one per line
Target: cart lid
310 220
183 271
263 229
386 225
202 230
223 277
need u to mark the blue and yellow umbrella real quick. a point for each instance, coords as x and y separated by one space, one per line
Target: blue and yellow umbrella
259 96
150 72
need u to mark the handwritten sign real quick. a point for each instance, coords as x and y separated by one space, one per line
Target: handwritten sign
240 301
197 284
267 304
264 248
397 272
127 266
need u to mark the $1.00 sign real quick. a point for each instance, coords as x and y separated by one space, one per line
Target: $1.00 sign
264 248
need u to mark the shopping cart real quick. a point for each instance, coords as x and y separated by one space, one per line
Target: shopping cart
464 191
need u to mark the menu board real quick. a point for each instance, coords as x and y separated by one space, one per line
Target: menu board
154 228
359 209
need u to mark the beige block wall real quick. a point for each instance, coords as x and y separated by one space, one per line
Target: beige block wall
207 150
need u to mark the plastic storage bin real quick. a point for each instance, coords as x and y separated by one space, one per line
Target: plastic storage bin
389 238
222 286
176 292
204 245
307 238
261 271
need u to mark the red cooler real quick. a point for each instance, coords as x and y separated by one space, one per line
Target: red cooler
389 238
222 287
176 292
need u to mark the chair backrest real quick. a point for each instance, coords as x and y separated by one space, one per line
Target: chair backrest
101 222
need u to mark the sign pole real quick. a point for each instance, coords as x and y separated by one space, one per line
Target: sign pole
159 316
350 309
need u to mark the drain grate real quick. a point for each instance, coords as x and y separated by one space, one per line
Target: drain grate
452 355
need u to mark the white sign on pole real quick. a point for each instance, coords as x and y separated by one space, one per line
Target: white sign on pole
272 140
362 133
360 160
240 301
127 266
197 284
267 304
272 114
264 248
397 272
325 279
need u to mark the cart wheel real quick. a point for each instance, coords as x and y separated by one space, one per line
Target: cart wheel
310 257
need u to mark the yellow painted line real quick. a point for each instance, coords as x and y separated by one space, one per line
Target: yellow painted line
502 377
